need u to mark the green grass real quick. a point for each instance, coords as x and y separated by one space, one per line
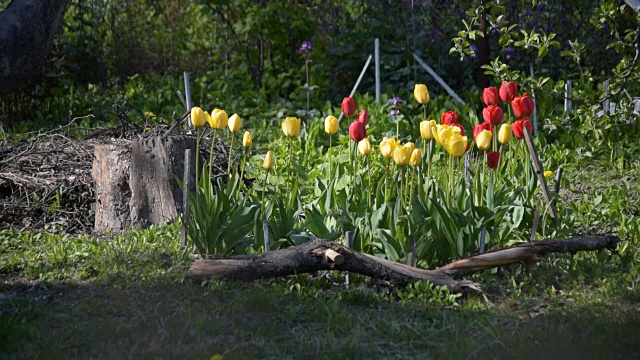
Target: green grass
125 298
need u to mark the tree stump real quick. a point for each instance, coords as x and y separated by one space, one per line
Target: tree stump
137 182
110 175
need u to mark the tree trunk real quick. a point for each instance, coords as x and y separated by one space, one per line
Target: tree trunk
26 32
482 58
136 183
321 254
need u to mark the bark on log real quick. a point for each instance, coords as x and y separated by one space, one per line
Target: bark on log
26 32
136 183
312 257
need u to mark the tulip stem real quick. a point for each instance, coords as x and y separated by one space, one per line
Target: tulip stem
450 192
213 145
428 165
197 157
413 175
370 188
400 194
244 162
290 167
266 182
355 165
386 182
233 137
424 106
330 164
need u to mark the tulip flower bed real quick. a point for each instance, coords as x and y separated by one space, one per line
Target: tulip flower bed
427 193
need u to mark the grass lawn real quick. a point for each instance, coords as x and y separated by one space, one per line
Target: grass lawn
81 297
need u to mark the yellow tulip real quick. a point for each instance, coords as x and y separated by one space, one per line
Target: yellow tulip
442 133
400 155
291 126
427 128
387 146
235 123
247 140
505 134
330 125
421 94
483 140
268 160
416 157
198 117
219 119
409 147
364 147
548 173
457 145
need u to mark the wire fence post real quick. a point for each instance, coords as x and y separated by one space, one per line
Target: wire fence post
377 61
187 91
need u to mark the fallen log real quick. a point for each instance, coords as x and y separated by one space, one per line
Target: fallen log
528 253
320 254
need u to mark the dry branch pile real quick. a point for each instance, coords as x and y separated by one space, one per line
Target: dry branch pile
46 180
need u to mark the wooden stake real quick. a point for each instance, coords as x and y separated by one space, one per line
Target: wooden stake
411 259
349 243
536 220
185 194
182 100
467 174
483 239
535 110
265 233
537 165
556 186
187 91
567 97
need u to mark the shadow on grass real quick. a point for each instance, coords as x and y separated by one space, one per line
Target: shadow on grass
267 319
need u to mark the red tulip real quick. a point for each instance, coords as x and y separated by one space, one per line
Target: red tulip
479 127
449 118
508 91
363 117
522 106
357 131
493 159
490 96
459 126
493 114
518 128
348 106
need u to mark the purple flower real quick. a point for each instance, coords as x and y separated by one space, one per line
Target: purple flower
394 112
395 101
305 47
509 52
